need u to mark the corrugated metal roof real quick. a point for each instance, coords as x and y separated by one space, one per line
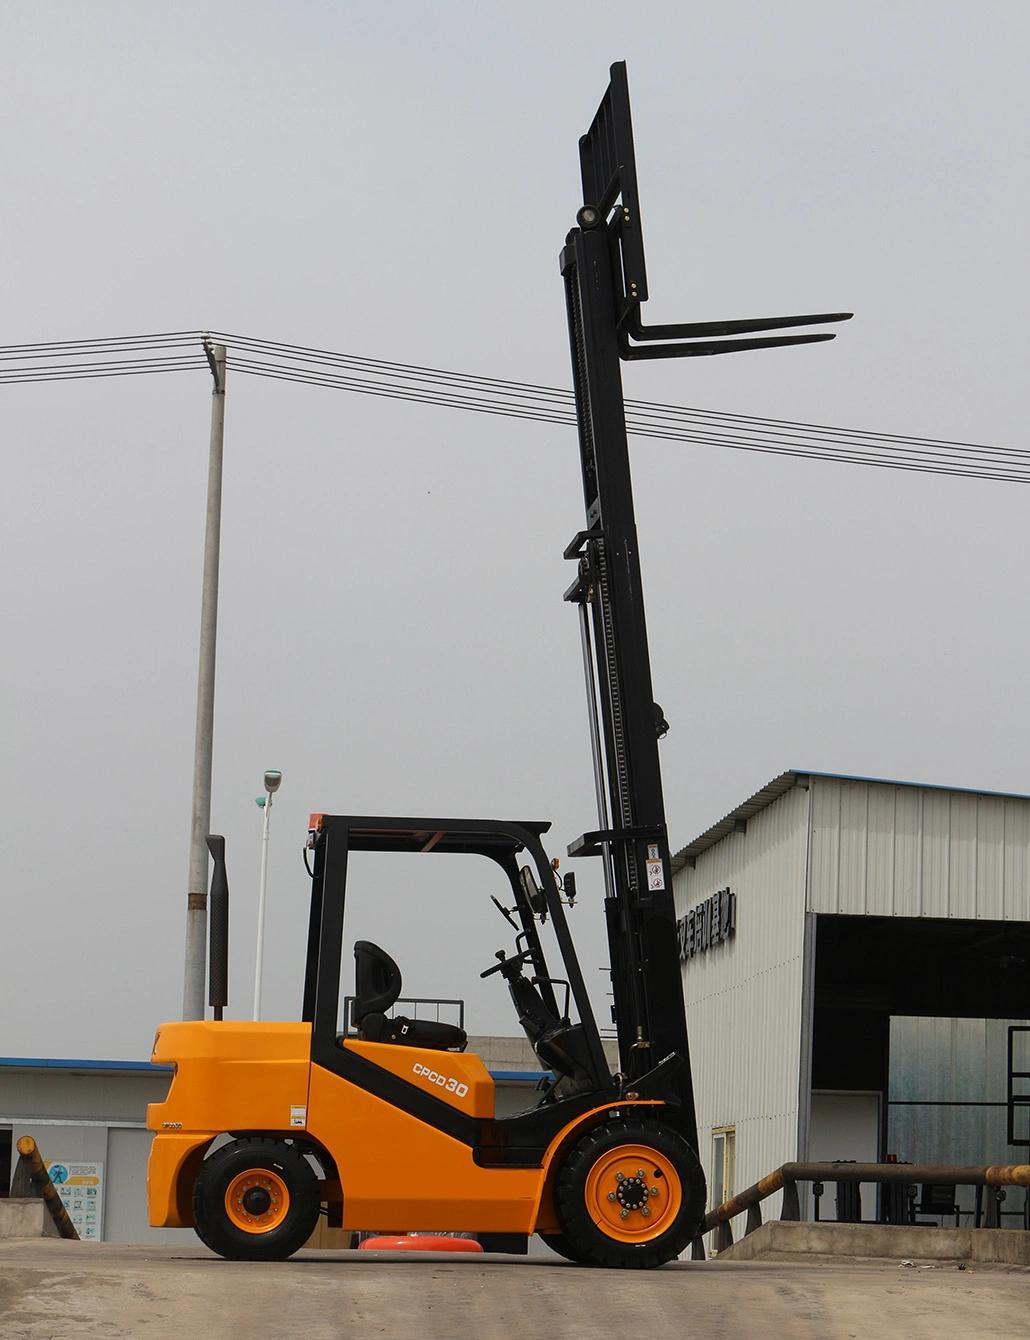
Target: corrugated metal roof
70 1063
783 783
770 792
921 786
148 1067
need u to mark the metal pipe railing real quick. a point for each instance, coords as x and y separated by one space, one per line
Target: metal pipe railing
787 1177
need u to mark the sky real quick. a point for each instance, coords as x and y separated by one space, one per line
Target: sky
396 181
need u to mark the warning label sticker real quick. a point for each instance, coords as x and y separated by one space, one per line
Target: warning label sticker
655 875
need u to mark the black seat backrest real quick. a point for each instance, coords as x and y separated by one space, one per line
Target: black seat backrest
560 1045
534 1016
377 980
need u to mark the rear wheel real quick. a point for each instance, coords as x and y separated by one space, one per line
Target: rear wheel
255 1199
629 1193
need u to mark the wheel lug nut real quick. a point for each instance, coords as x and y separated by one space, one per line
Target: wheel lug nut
618 1176
624 1214
653 1191
611 1195
645 1210
640 1172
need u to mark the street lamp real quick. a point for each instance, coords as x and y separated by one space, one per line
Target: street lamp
272 782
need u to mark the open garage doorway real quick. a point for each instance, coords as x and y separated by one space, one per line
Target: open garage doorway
914 1016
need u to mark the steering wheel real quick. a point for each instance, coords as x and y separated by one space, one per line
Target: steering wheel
516 959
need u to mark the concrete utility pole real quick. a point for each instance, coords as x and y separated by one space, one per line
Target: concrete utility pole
200 825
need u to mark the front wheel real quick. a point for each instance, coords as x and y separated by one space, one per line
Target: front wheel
255 1200
630 1193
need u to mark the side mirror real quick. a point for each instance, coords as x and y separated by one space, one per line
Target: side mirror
569 888
534 894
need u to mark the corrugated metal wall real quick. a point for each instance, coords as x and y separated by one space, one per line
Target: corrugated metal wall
938 1064
907 851
744 997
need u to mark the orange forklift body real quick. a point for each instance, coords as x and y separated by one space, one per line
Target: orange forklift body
395 1171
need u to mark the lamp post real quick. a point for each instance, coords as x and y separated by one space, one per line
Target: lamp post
272 781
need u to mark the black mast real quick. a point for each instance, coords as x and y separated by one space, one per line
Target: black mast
605 282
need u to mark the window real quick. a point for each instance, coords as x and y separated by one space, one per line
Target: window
724 1142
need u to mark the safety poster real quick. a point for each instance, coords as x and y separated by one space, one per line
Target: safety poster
81 1188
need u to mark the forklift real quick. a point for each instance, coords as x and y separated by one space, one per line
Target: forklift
390 1123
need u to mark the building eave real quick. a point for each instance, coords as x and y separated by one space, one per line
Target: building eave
785 782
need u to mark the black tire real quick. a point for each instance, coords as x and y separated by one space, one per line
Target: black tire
609 1216
559 1243
293 1201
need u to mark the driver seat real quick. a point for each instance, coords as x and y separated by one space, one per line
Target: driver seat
377 984
559 1044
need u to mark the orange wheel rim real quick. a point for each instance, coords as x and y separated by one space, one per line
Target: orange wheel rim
257 1200
633 1193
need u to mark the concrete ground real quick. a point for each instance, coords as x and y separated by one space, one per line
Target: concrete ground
50 1290
897 1242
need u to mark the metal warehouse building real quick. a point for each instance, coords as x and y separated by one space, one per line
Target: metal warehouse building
855 966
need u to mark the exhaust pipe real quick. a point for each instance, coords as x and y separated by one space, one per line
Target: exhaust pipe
218 958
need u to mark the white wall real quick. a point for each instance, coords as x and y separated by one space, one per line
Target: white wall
845 1126
909 851
743 998
125 1207
95 1117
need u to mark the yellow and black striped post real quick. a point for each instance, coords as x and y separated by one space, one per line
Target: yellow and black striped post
31 1170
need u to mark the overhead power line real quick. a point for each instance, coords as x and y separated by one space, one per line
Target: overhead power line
182 351
118 356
